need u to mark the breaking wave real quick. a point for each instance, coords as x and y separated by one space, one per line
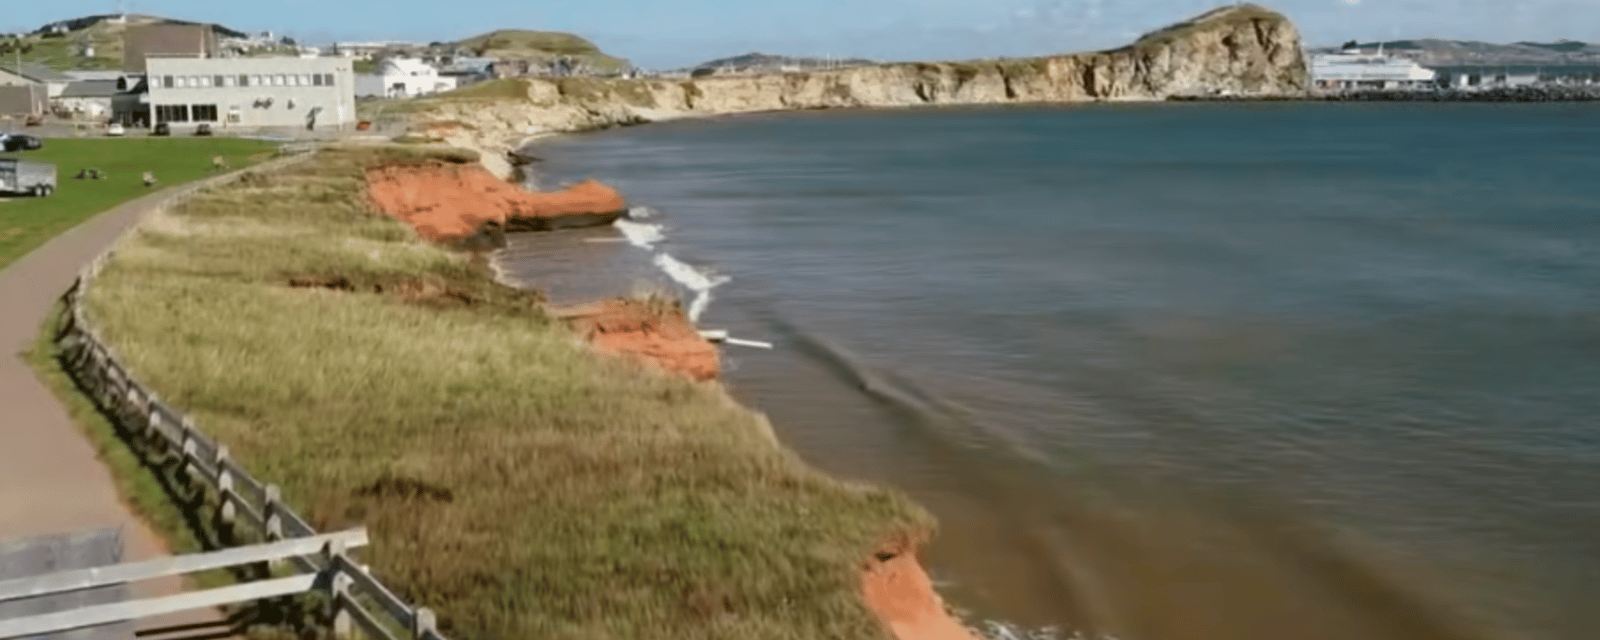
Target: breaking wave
646 235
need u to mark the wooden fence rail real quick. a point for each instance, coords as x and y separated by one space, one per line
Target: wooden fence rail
329 546
243 503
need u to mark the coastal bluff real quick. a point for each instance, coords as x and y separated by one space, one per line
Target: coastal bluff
1237 50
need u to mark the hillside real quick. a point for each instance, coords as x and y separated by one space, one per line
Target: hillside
90 42
756 62
539 46
1443 53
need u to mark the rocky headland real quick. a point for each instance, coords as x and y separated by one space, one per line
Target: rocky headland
1240 50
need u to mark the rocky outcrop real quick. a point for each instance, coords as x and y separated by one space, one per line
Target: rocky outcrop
1240 50
454 202
655 331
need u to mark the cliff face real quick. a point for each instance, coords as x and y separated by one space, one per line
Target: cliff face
1240 49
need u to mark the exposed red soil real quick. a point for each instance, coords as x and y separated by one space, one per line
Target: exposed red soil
453 201
900 593
659 333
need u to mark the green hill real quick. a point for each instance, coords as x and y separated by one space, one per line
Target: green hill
540 46
89 42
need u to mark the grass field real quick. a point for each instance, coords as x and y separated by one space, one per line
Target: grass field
26 223
515 481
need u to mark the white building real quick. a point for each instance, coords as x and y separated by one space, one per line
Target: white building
410 77
280 91
1352 69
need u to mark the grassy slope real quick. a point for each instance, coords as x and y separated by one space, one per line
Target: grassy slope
540 45
563 495
62 52
26 223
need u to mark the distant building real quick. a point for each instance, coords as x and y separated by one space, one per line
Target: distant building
22 99
281 91
410 77
86 98
1483 76
369 50
143 42
53 81
1353 69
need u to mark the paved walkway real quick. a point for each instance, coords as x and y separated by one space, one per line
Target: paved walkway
50 478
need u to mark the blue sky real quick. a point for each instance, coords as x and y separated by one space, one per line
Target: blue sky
659 34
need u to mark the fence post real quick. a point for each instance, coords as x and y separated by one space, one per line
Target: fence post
186 465
274 522
338 590
225 510
152 426
424 625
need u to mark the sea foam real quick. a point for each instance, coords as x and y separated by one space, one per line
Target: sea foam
701 283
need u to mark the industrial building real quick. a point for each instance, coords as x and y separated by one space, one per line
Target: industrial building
284 91
1354 69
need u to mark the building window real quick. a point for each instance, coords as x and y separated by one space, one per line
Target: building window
233 114
216 81
183 82
204 112
226 81
244 80
280 81
316 80
305 80
255 81
172 113
166 82
327 79
203 81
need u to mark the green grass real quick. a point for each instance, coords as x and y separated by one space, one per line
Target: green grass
524 40
504 88
523 44
512 479
26 223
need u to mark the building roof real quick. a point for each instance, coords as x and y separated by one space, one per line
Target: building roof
90 89
37 73
96 75
408 66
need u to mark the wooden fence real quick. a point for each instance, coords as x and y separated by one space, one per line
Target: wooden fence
243 503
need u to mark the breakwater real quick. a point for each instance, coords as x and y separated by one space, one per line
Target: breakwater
1499 94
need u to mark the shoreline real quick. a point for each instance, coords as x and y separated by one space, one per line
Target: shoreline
899 589
705 461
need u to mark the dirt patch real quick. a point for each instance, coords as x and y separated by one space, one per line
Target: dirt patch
452 202
336 283
403 488
656 331
899 592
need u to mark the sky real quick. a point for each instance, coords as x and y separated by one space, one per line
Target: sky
660 34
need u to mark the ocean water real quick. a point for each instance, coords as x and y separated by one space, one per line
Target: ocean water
1163 371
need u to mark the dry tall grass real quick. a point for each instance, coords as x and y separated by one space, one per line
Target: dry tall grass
513 480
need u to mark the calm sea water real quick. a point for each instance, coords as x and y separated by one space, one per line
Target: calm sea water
1166 371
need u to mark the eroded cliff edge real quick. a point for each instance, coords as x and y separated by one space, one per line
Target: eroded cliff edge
1240 50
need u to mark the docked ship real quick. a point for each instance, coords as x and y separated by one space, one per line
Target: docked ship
1352 68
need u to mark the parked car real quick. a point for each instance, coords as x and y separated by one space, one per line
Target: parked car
19 142
202 129
161 129
115 129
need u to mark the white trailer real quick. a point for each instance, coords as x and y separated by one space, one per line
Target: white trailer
25 176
